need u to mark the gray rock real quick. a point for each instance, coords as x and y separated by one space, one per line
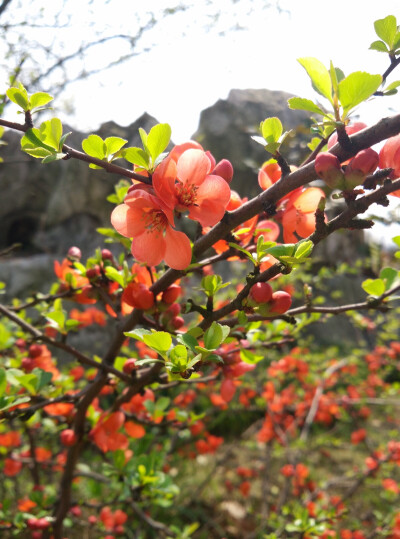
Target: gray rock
226 129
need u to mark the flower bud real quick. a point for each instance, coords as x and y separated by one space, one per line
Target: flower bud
261 292
224 169
129 365
74 253
171 294
106 254
68 437
366 161
327 166
281 302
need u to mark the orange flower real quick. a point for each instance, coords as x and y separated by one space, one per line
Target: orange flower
389 157
299 213
188 185
105 434
147 220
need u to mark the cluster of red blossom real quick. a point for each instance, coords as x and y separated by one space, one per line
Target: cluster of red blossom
188 180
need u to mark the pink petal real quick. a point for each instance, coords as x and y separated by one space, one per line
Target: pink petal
214 188
127 221
308 200
178 253
306 225
193 166
164 182
149 247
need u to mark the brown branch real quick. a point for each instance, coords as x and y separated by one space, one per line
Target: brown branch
81 156
38 335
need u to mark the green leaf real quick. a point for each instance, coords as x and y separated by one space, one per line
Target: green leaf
137 156
178 356
390 87
32 141
138 333
389 275
215 335
19 96
356 88
374 287
250 357
114 275
158 139
113 145
303 249
3 381
143 137
212 284
50 133
39 99
53 157
188 340
159 340
271 129
94 146
301 103
379 46
281 250
386 29
43 378
319 76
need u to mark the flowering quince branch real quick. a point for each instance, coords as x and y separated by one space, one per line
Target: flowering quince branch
136 410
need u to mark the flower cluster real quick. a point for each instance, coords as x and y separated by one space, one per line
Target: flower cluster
187 181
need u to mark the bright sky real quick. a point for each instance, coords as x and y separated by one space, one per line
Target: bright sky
190 68
197 56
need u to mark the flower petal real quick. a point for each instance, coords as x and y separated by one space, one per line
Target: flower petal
127 221
308 200
149 247
193 166
178 253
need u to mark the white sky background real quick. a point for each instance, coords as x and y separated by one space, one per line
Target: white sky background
189 68
193 60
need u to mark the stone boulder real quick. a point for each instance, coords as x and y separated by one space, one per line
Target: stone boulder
226 128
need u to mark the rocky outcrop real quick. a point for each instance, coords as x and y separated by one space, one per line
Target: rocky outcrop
226 128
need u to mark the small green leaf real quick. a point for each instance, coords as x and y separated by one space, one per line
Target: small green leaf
379 46
271 129
215 335
94 146
319 76
178 356
301 103
281 250
159 340
389 275
143 137
19 96
303 249
188 340
158 139
39 99
114 275
386 29
3 381
356 88
250 357
43 378
137 156
113 145
51 132
374 287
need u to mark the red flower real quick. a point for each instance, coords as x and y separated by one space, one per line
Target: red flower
147 220
188 185
389 157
